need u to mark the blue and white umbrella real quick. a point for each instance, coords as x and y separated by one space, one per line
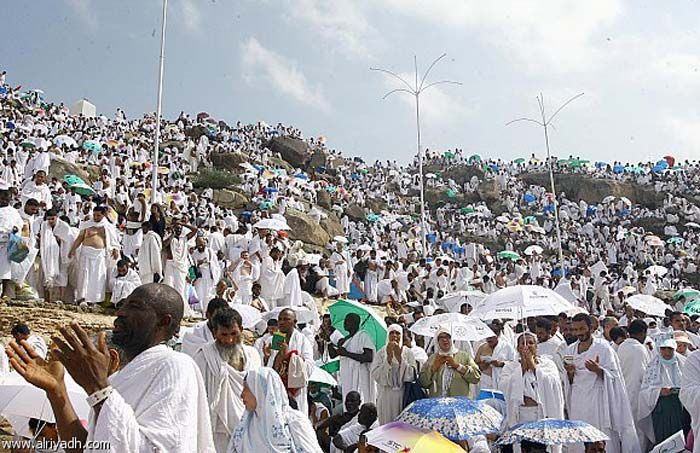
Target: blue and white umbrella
550 431
457 418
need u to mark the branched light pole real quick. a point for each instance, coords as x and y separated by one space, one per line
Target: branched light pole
544 124
156 151
415 90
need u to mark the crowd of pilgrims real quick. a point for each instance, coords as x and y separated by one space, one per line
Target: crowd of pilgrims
631 375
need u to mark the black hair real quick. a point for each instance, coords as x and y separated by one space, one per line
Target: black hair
226 317
637 327
579 317
20 329
215 304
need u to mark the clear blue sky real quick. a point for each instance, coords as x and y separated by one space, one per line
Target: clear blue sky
305 62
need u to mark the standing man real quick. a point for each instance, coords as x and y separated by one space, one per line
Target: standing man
149 256
690 393
272 278
10 222
224 364
342 267
356 352
177 260
55 241
594 388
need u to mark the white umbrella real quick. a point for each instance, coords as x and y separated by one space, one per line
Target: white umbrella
626 201
251 316
608 199
340 239
462 327
650 305
64 140
656 270
533 250
598 267
503 219
454 301
271 224
364 247
692 225
321 376
521 301
564 289
304 314
430 175
19 398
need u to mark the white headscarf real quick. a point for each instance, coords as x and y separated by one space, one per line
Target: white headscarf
399 329
453 349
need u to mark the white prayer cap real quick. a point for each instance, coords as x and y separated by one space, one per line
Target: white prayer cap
668 342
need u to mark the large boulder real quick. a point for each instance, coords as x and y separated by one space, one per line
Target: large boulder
355 212
323 198
292 150
228 161
305 229
332 225
319 158
230 199
60 168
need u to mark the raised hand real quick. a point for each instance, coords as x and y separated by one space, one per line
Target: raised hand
86 362
45 374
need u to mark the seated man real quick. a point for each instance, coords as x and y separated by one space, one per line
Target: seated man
348 438
123 281
331 426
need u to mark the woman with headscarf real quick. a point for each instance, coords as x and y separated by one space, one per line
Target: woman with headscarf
448 371
658 395
531 385
269 424
392 366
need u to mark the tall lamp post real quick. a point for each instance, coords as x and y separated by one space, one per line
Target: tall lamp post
544 124
415 90
156 151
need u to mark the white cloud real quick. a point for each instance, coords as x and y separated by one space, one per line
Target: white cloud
544 36
686 133
281 73
191 15
85 11
682 68
343 23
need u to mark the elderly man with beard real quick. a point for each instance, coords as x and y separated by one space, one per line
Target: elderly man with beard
140 408
224 364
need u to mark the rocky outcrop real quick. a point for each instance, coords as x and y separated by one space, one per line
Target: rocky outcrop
230 199
323 199
59 168
305 229
332 226
292 150
229 161
355 212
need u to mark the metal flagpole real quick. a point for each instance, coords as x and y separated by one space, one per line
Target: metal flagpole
545 123
156 151
416 90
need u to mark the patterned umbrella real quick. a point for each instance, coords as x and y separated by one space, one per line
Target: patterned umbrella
552 432
456 418
692 307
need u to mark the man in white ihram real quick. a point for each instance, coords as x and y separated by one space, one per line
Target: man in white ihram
224 364
149 257
356 352
155 403
690 393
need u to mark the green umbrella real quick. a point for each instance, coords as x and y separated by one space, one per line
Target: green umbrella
519 160
634 170
674 240
448 155
508 255
467 210
688 293
451 193
370 321
692 307
77 183
27 144
530 219
373 217
332 366
474 158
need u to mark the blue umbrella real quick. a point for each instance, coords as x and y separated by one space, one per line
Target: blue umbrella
657 168
662 163
10 125
3 90
618 169
601 164
529 198
456 418
258 167
494 167
301 176
551 431
271 189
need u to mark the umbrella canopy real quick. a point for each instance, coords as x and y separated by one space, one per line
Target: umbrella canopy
688 293
77 183
692 225
508 255
332 366
250 315
304 314
692 307
19 398
551 431
474 158
462 327
521 301
323 377
656 270
92 145
650 305
533 250
64 140
456 418
271 224
370 321
453 301
519 160
399 436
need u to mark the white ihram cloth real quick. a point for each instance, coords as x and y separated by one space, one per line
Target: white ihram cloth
690 393
341 267
292 290
273 427
271 281
390 379
300 343
149 258
54 256
122 286
601 402
158 404
354 375
9 220
503 352
659 374
634 359
196 337
92 274
175 272
224 385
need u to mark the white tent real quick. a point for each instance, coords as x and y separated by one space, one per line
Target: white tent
84 107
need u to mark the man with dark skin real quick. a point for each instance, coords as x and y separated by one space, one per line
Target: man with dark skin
366 418
147 319
352 325
329 427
